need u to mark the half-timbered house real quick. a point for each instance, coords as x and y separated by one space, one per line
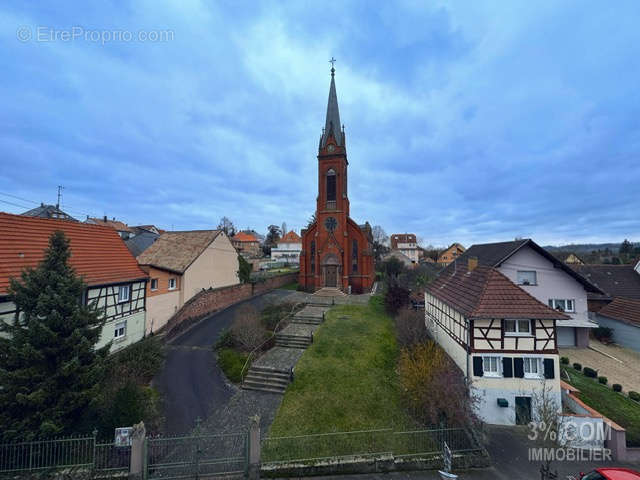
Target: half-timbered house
502 339
114 280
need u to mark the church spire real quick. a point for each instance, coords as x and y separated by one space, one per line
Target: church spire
332 123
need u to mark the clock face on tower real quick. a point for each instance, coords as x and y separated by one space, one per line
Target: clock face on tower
330 224
331 148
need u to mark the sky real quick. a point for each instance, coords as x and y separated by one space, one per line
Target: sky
466 121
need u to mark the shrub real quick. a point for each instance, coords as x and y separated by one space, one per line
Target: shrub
634 396
590 372
603 380
577 366
247 328
395 299
602 333
225 340
564 360
410 328
129 405
231 363
272 314
616 387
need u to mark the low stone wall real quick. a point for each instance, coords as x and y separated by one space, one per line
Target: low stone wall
212 300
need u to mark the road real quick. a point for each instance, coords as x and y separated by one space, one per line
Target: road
190 382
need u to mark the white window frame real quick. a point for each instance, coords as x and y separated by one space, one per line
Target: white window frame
553 303
156 287
517 332
527 283
124 288
488 372
537 361
175 283
120 330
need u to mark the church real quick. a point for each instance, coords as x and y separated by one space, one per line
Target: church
336 251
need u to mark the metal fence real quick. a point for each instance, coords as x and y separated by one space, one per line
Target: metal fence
343 445
196 456
79 453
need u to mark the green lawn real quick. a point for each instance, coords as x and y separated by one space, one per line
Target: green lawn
290 286
618 407
347 379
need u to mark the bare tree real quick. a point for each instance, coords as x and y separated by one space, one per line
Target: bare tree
247 328
410 328
284 228
226 225
379 235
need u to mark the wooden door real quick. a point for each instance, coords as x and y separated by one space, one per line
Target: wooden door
330 276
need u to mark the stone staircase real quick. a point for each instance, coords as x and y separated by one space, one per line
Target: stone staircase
292 341
266 379
309 315
329 292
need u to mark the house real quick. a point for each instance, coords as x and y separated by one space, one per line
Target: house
142 240
146 228
502 338
568 257
122 228
618 307
450 254
407 244
181 264
546 278
48 211
397 254
247 244
114 279
288 249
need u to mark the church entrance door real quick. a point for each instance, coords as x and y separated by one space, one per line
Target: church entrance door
331 276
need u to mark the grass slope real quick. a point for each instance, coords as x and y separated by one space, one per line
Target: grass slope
347 379
622 410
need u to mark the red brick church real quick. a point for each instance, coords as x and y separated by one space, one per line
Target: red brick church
336 251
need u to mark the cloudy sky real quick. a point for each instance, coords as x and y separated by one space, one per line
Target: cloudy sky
469 122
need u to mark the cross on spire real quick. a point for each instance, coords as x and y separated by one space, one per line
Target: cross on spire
332 62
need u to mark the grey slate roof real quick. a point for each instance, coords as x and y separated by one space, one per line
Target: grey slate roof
494 254
48 211
140 242
332 124
614 280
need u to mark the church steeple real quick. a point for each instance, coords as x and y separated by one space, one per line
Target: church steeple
332 125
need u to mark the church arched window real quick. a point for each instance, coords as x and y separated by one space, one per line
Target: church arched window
331 187
354 256
313 256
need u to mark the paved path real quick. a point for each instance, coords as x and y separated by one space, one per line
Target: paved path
190 382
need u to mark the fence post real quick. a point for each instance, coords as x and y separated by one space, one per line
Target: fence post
138 440
254 447
95 441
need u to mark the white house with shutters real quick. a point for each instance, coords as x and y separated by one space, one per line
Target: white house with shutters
503 340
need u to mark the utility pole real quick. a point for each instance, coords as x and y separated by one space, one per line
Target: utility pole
60 188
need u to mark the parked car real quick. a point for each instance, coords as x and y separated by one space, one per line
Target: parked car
611 474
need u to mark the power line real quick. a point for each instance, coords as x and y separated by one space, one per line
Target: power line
14 204
18 198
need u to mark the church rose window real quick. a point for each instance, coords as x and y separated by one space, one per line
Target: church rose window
331 185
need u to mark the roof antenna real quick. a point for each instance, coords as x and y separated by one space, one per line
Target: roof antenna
60 188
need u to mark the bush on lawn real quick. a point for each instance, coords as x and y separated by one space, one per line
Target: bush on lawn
564 360
603 380
616 387
410 328
434 388
634 396
577 366
590 372
395 299
231 363
602 333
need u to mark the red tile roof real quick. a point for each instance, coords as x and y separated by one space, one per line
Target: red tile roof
97 253
244 237
291 237
397 238
624 309
486 293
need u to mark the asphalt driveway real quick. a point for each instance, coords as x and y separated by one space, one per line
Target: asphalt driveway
191 383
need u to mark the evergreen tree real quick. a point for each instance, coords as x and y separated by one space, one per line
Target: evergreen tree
244 270
49 367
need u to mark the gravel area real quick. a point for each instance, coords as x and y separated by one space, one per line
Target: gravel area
626 371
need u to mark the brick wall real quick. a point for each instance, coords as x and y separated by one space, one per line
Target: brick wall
211 300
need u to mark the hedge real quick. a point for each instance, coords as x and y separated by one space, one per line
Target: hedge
590 372
617 387
564 360
577 366
603 380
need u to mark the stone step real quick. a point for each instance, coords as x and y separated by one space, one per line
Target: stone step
302 346
263 388
269 374
256 378
308 317
265 369
293 337
297 341
307 322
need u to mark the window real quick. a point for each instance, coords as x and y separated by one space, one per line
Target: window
154 284
527 277
564 305
532 368
354 256
313 256
491 366
123 293
172 283
331 185
517 327
120 330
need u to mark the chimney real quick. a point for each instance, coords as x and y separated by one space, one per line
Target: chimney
104 219
472 264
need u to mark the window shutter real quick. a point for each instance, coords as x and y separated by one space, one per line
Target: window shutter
477 367
518 367
507 367
549 370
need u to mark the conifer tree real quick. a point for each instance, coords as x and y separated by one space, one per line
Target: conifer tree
49 367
